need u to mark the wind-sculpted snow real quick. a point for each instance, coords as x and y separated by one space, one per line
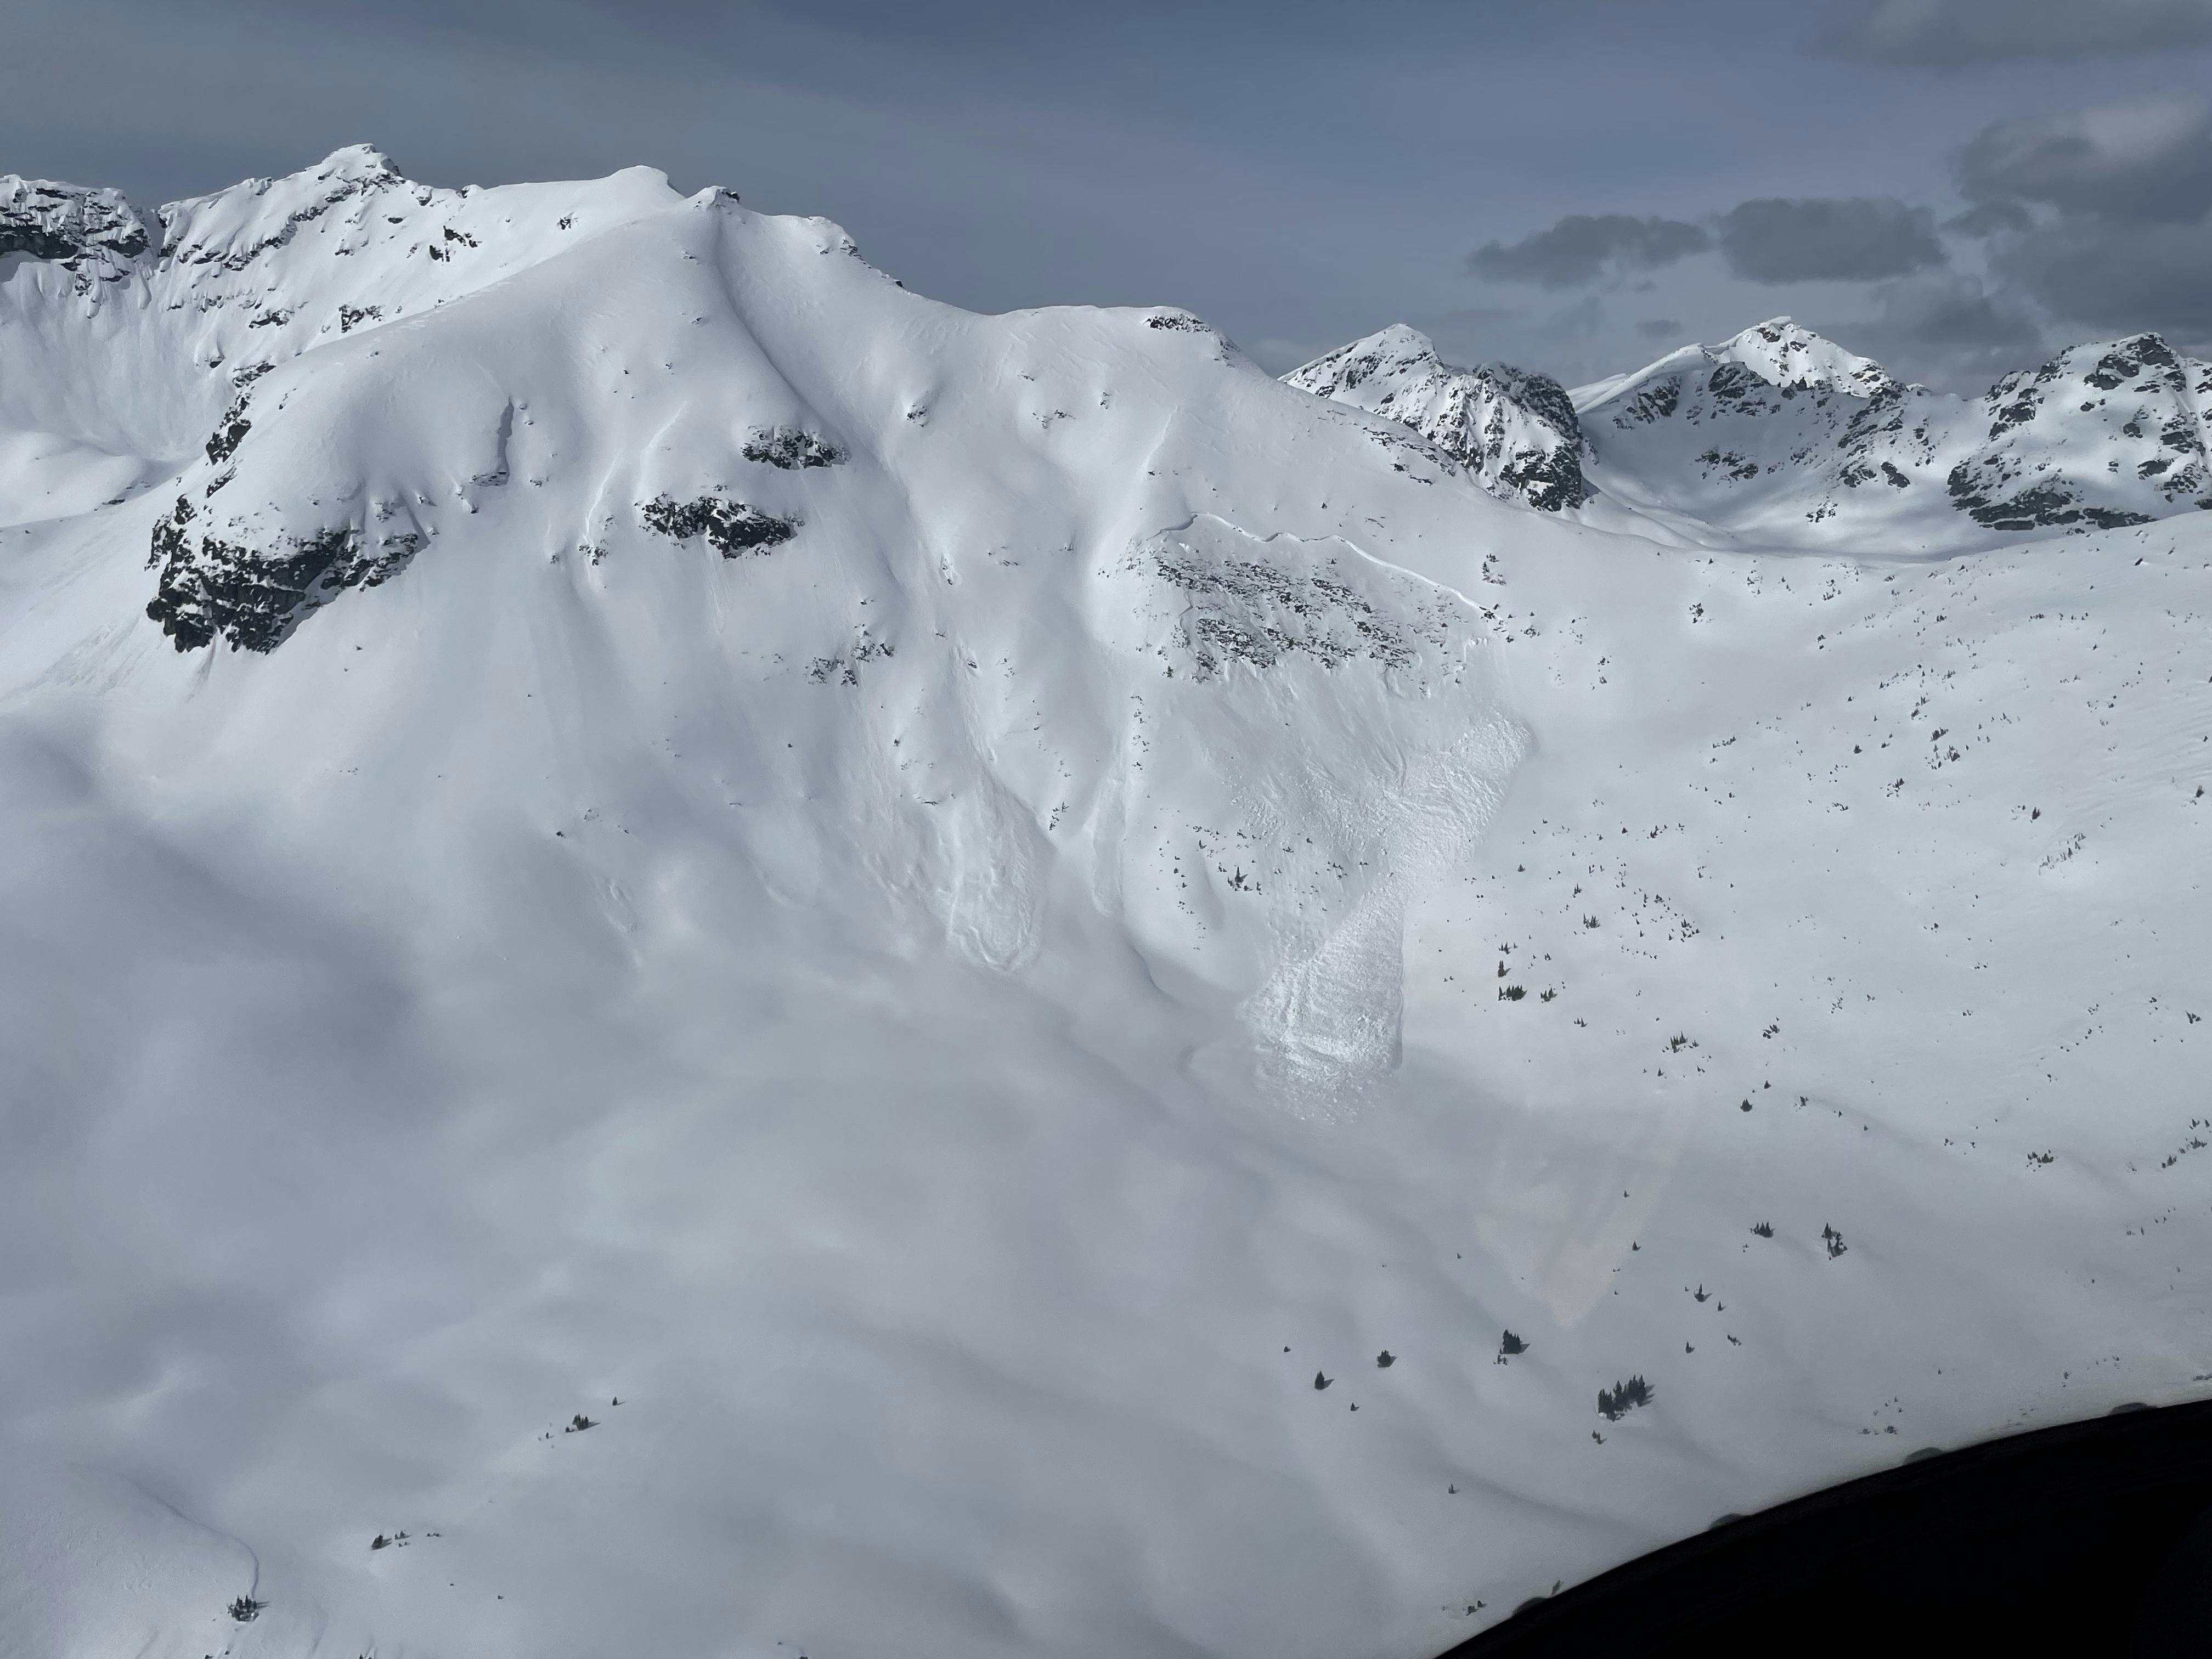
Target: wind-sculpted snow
1515 432
828 975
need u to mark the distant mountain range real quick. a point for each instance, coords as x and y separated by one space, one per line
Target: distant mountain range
1780 438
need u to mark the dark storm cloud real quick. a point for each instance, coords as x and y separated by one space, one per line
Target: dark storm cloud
1943 329
1946 34
2155 277
1582 248
1956 313
2120 237
1828 239
2146 159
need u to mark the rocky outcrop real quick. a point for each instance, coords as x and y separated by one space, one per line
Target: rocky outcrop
253 578
255 596
1514 432
790 448
731 528
94 232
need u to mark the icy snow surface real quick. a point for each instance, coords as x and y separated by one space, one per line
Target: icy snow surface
961 1008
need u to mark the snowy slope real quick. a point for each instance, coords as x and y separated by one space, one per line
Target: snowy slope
1515 432
925 900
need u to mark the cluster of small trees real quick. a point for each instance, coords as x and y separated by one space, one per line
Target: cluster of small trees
1623 1397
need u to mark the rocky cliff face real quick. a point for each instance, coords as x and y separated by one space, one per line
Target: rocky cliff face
94 230
1514 432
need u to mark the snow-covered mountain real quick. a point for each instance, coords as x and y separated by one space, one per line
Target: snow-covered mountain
1114 1004
1779 438
1515 432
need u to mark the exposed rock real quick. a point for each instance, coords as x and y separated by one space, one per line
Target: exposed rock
91 232
229 433
731 528
789 447
255 597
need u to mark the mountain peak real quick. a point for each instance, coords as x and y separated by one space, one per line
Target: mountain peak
1395 348
354 161
1783 354
1402 337
1514 430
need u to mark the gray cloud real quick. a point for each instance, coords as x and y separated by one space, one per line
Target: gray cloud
1003 156
1814 239
2122 237
1947 330
1955 312
1582 248
1945 33
2147 159
1991 219
1659 328
2153 278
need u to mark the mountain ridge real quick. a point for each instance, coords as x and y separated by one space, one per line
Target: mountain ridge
1779 437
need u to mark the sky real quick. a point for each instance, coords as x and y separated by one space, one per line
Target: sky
1957 188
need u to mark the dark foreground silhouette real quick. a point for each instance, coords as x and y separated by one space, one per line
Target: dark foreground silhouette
2091 1538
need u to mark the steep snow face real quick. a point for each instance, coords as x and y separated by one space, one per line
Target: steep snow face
1780 438
719 960
1515 432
